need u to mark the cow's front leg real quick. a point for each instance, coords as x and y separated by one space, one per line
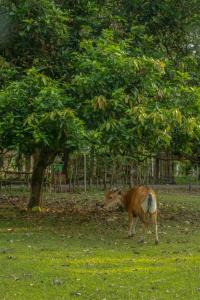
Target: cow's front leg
130 224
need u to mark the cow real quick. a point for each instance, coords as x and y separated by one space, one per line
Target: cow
140 202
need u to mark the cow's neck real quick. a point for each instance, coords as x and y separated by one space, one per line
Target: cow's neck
125 200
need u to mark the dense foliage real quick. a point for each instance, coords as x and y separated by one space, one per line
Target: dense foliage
36 115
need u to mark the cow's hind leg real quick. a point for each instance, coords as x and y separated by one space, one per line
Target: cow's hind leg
135 220
154 221
144 227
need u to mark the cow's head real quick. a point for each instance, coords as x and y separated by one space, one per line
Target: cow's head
113 198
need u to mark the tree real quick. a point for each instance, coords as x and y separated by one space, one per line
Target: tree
35 120
136 101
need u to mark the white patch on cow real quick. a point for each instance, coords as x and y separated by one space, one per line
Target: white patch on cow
153 206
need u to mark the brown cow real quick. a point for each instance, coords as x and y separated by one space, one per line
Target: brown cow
139 203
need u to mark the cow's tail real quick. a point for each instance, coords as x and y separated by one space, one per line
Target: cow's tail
149 201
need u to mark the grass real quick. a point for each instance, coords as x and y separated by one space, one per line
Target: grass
77 251
186 180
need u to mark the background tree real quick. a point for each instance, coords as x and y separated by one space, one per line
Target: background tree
35 121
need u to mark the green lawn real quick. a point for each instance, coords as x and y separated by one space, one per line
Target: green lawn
78 251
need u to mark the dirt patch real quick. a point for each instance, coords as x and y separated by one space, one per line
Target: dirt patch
88 209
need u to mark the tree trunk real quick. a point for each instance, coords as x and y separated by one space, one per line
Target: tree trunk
36 186
42 159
